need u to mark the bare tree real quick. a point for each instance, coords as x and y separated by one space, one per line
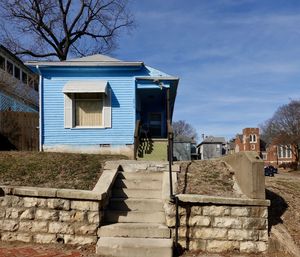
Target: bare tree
56 28
184 130
284 127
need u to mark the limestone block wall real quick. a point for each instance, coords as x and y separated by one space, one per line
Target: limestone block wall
49 220
50 215
216 224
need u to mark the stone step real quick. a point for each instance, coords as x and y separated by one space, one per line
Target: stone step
136 193
135 204
138 184
138 230
134 247
142 175
111 216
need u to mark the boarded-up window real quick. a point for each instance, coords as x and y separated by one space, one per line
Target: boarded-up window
88 109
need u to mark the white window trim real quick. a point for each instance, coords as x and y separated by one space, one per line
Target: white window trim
288 152
69 112
252 137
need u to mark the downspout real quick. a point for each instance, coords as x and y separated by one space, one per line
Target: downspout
40 109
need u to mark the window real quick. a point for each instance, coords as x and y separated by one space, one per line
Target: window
284 151
264 156
17 73
24 77
9 67
253 138
2 62
87 104
252 147
88 109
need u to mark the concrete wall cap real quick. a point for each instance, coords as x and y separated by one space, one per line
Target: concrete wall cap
80 194
105 181
192 198
53 192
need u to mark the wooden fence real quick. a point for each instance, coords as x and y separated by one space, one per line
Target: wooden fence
19 131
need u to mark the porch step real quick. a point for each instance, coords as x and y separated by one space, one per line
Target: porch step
138 184
136 193
140 175
137 230
134 247
112 216
135 204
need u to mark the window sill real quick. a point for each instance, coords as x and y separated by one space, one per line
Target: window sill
88 127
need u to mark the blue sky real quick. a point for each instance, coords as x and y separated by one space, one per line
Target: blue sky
238 60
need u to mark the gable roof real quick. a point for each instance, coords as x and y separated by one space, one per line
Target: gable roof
213 140
92 60
95 58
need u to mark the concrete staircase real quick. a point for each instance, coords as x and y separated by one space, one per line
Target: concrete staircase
135 219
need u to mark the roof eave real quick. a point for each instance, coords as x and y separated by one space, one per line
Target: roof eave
156 78
84 64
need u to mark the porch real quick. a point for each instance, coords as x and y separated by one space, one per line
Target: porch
154 109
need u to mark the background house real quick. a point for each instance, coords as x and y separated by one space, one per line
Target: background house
212 147
184 149
99 104
18 84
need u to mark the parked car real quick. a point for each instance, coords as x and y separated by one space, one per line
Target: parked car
275 170
270 170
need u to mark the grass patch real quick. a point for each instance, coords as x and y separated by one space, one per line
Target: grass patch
59 170
208 177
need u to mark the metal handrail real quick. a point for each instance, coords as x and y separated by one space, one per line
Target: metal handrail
170 155
173 198
136 138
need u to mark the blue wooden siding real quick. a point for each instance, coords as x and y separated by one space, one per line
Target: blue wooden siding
10 103
123 110
122 82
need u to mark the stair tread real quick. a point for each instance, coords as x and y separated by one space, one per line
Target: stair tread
116 199
138 184
135 224
135 242
137 230
136 193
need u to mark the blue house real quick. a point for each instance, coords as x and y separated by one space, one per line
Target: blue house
97 104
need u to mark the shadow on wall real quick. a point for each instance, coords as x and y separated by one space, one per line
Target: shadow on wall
5 144
276 210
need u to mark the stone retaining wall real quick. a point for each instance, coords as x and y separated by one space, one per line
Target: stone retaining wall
49 215
210 224
49 220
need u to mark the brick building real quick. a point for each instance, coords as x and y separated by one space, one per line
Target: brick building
250 140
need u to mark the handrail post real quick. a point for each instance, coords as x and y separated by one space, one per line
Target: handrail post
170 157
136 139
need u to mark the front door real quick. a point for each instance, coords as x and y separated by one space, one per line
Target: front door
155 124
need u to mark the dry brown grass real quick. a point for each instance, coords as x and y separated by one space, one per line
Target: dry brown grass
59 170
208 177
